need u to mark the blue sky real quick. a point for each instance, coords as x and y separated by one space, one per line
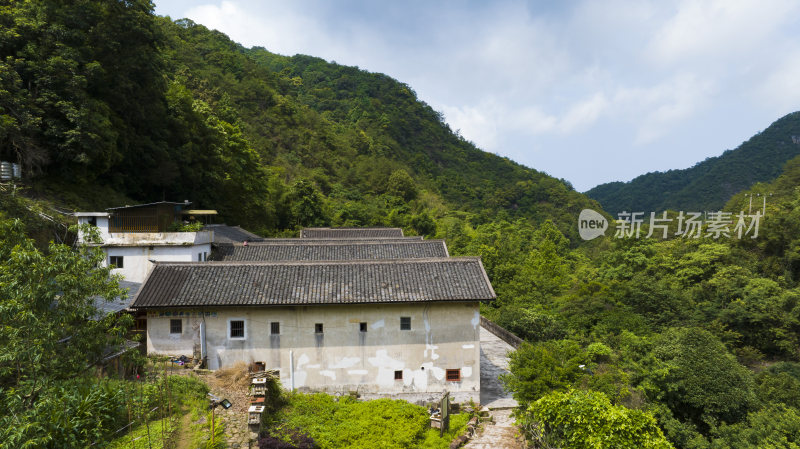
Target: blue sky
588 91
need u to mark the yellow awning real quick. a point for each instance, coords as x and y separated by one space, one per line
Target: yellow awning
199 212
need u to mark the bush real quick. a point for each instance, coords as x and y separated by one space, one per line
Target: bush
586 419
345 422
296 440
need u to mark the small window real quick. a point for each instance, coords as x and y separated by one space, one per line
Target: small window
398 375
318 328
274 328
199 257
237 328
362 327
405 323
453 375
175 326
115 261
205 256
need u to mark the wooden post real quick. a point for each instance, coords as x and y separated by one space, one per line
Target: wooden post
169 395
146 420
130 426
212 424
161 409
445 408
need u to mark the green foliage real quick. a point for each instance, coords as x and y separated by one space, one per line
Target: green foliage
50 327
579 419
700 380
770 428
432 440
67 414
344 422
140 437
401 185
537 369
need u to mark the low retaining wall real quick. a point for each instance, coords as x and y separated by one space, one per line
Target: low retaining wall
501 333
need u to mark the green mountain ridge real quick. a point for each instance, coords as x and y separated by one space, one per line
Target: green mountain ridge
709 184
271 142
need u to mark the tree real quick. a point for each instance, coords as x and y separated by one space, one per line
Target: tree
700 380
306 204
50 328
402 185
537 369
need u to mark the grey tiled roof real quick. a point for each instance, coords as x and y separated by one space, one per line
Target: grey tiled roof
198 284
303 249
350 233
343 240
118 304
231 234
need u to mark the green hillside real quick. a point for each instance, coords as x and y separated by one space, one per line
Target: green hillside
712 182
105 100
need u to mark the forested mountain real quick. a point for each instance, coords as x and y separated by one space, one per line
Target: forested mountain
105 97
711 183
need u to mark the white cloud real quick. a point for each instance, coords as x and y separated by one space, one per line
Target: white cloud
780 90
717 30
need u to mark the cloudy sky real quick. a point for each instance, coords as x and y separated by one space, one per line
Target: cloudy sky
589 91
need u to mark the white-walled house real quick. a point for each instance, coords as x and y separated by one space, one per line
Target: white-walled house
133 237
380 327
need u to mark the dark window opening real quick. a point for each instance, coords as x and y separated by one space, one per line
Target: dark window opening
453 375
116 261
93 221
398 375
237 329
362 327
318 328
274 328
175 326
405 323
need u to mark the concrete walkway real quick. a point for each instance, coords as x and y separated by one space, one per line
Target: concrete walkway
503 434
494 362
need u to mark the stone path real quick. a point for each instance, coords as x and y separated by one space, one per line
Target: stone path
494 362
233 387
501 435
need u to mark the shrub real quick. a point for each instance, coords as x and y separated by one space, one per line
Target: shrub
587 419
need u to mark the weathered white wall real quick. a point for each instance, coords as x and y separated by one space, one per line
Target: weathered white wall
442 336
136 262
102 226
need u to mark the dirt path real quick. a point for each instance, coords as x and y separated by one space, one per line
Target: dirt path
184 438
501 435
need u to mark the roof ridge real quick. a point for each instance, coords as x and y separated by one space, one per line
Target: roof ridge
422 260
332 242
